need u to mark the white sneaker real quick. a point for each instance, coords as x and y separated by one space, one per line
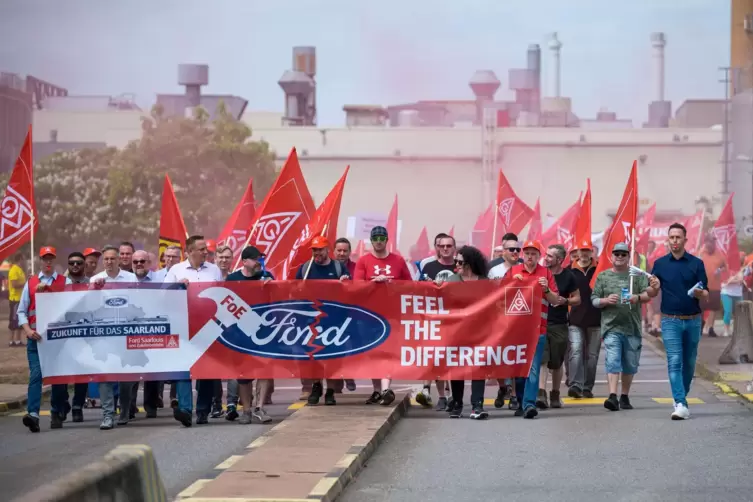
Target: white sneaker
424 398
681 412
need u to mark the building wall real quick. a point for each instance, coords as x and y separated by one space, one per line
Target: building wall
114 128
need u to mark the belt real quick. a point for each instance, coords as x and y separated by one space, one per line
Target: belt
683 317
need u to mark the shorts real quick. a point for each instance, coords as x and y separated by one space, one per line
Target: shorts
623 353
556 346
13 316
713 302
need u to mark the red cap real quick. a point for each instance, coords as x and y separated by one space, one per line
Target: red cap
585 244
47 250
319 242
532 244
211 246
90 252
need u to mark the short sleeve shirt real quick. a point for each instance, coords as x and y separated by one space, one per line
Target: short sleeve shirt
15 274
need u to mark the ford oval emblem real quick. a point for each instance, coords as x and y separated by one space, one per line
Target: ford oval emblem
306 330
116 302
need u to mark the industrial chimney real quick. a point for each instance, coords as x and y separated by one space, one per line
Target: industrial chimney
484 84
299 85
534 64
555 46
193 76
658 42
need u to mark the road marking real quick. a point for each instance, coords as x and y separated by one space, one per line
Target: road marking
669 400
258 442
194 488
726 388
297 405
749 397
229 462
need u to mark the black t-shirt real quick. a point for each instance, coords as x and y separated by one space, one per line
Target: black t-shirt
319 272
238 276
566 285
434 269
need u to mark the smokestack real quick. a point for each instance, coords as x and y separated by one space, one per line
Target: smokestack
534 64
658 42
193 76
555 45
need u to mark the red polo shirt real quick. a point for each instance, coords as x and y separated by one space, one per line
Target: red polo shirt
539 271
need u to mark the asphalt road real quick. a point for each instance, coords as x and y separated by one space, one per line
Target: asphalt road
579 453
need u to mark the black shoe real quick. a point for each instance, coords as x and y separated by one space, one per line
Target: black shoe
132 412
350 385
542 402
232 413
588 394
374 398
78 415
183 416
625 402
202 418
575 393
329 397
478 413
500 401
519 412
513 404
151 414
217 412
174 404
316 394
712 333
56 421
554 399
160 403
450 405
387 397
457 411
66 410
31 422
611 403
530 412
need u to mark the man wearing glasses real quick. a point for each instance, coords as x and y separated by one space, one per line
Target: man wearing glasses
76 275
381 266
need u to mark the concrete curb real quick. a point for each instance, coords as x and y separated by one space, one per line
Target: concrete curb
17 404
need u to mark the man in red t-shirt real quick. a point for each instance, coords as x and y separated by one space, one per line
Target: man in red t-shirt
381 266
529 387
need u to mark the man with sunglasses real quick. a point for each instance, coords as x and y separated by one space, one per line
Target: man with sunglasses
621 322
76 275
381 266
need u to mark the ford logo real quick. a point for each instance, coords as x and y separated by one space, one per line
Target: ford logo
306 330
116 301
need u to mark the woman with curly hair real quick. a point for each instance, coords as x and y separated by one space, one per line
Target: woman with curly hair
470 265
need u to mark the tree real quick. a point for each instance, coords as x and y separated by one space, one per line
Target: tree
93 197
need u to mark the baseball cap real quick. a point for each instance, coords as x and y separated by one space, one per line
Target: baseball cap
47 250
585 244
91 251
251 253
319 242
532 244
211 246
379 231
621 246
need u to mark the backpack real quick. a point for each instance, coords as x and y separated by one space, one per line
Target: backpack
338 269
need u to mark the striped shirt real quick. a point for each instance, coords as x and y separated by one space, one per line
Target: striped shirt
539 271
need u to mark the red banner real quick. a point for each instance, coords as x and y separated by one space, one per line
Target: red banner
402 330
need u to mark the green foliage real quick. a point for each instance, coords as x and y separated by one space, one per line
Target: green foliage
93 197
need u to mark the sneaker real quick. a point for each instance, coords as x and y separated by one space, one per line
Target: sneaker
424 398
122 421
31 422
374 398
478 413
554 399
575 393
542 402
232 413
519 412
387 397
217 412
588 394
78 415
611 403
681 412
712 333
513 404
530 412
66 409
56 421
106 424
441 404
174 404
261 415
499 402
202 418
246 418
183 416
316 394
625 402
329 398
457 411
450 405
350 385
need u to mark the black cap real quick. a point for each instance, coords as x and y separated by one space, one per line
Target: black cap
251 253
379 232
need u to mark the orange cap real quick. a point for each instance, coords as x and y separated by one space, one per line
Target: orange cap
47 250
211 246
585 244
532 244
319 242
91 251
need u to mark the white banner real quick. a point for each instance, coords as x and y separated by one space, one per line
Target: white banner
115 332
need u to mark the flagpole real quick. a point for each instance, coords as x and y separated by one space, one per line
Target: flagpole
31 257
248 240
632 256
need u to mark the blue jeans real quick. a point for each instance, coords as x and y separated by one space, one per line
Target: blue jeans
681 337
34 393
729 302
204 394
528 388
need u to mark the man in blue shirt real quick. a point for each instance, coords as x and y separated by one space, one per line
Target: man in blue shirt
683 283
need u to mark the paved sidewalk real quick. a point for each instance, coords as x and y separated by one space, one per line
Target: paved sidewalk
13 396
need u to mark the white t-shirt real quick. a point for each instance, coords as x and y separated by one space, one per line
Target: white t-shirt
206 272
499 271
123 276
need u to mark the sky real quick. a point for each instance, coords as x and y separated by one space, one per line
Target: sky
384 53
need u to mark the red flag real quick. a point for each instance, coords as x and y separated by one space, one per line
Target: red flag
513 214
323 223
623 224
452 231
19 211
725 233
534 229
392 228
172 229
360 251
235 232
422 246
643 229
694 227
282 215
583 223
561 231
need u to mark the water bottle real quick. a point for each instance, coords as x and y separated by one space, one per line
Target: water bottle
692 290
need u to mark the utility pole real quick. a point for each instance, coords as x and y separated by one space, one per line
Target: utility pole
725 134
